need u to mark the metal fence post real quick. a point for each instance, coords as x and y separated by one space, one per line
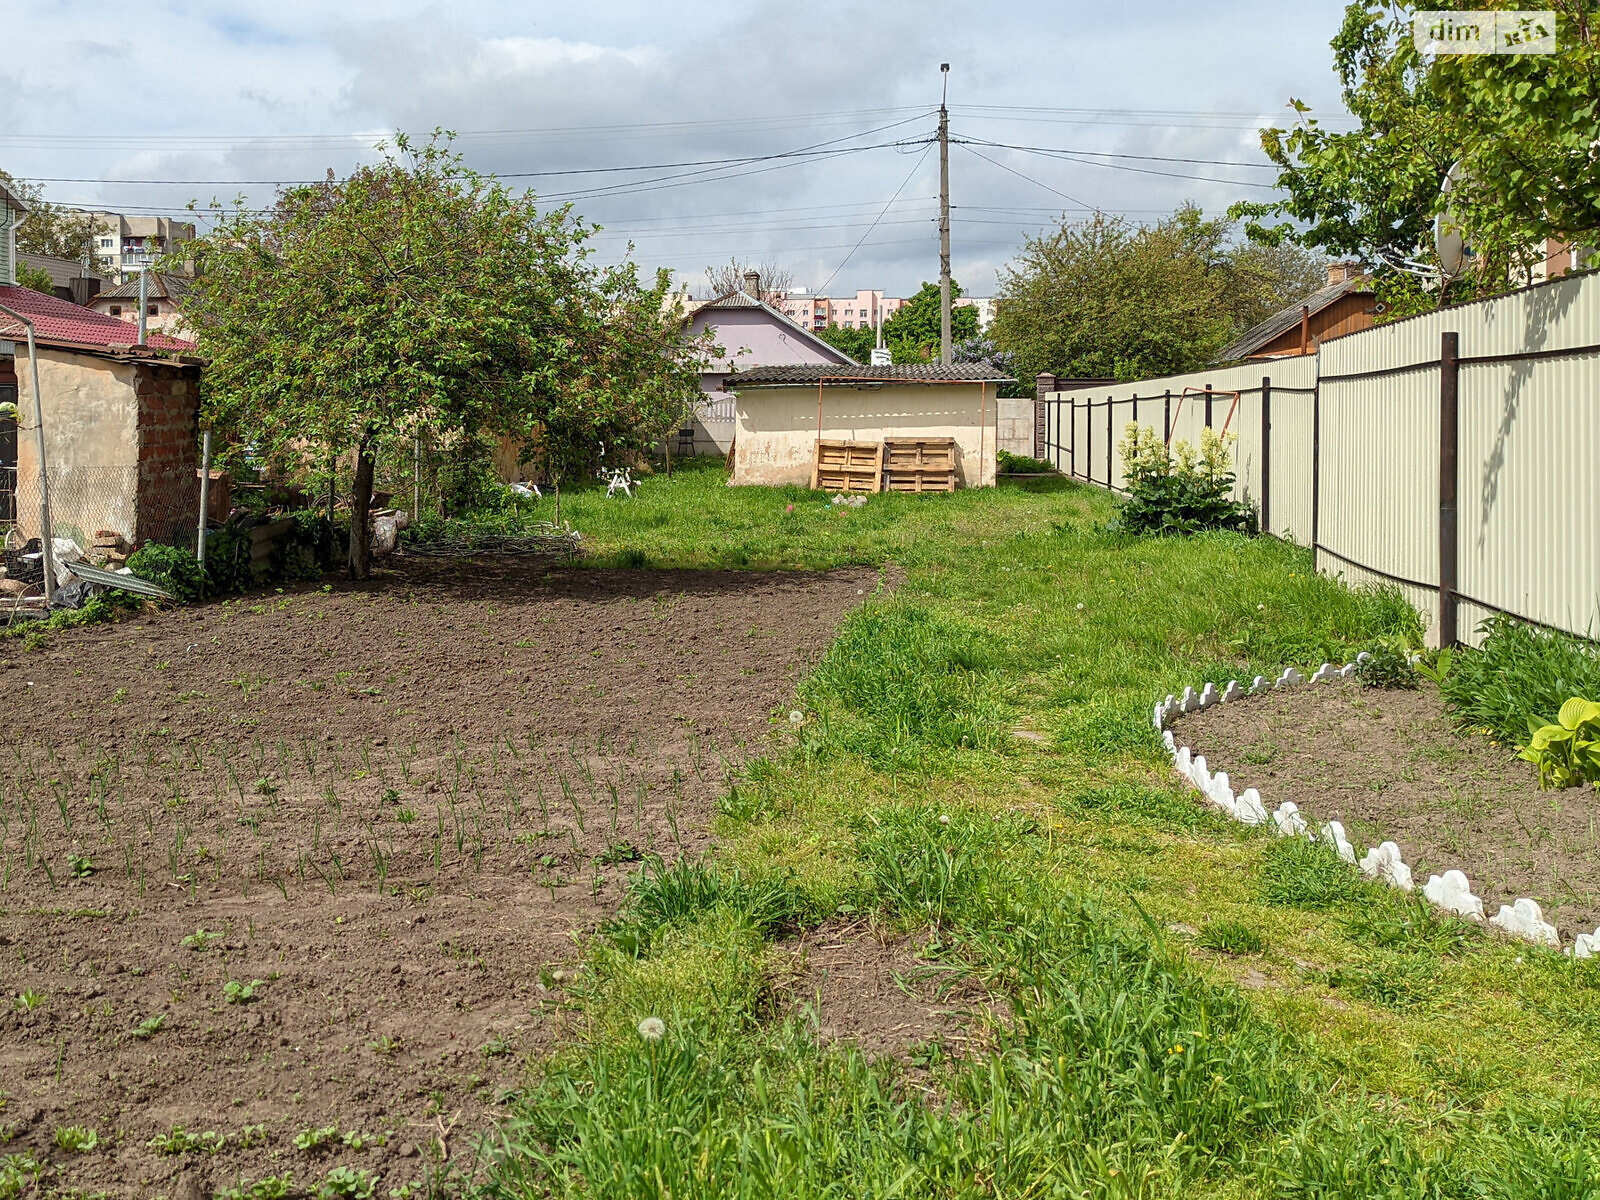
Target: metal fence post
205 496
1316 469
1449 431
1208 406
1072 418
1166 419
1266 454
1111 409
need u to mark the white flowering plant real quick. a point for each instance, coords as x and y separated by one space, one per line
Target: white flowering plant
1180 488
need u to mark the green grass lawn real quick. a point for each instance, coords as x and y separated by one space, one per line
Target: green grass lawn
1178 1005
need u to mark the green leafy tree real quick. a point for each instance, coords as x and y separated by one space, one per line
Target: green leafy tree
1107 298
416 296
30 276
912 333
1518 128
51 228
857 343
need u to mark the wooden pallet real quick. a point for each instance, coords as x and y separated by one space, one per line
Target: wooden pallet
920 464
847 467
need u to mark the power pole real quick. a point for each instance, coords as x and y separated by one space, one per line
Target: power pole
944 218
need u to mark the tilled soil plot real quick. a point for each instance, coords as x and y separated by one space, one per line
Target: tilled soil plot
287 883
1391 766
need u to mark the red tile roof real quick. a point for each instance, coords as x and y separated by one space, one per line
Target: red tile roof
61 321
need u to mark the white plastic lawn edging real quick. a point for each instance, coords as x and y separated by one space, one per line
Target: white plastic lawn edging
1450 892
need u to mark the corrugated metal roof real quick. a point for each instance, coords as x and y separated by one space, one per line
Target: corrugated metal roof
733 300
979 372
56 320
161 287
1281 322
61 270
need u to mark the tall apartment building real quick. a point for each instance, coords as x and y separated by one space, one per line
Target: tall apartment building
130 244
865 310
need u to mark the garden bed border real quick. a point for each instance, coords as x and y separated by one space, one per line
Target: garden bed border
1451 891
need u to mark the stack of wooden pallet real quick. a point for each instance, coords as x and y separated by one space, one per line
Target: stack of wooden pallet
848 467
920 464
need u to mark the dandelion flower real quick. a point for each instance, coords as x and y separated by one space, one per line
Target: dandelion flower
944 820
652 1029
796 717
1080 608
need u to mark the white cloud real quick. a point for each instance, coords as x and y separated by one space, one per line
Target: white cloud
611 83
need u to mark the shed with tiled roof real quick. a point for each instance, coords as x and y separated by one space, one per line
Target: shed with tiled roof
783 412
120 424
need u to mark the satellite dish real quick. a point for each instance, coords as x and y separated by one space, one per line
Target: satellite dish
1449 243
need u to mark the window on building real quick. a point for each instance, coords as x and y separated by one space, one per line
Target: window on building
153 310
116 310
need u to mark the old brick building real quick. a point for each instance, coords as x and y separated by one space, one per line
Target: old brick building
120 424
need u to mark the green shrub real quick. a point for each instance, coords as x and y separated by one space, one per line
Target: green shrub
1520 672
174 568
229 567
1389 667
1177 489
1021 464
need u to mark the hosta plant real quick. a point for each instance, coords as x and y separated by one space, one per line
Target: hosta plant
1566 752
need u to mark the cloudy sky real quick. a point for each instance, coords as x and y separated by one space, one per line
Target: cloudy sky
792 132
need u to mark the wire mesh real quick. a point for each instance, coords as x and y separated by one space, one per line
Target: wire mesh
87 502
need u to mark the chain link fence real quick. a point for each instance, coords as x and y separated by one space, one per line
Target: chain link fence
99 507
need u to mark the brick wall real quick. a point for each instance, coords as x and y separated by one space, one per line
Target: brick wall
168 398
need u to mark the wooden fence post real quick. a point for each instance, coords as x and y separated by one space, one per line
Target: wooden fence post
1266 454
1449 431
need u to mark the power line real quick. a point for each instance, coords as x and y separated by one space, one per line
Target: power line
1029 178
1207 162
914 168
1073 157
226 141
742 160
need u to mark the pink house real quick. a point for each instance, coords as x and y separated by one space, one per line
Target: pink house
751 333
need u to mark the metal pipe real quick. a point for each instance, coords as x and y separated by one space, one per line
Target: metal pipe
144 296
48 557
205 495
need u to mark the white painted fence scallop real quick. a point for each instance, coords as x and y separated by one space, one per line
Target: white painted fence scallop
1451 891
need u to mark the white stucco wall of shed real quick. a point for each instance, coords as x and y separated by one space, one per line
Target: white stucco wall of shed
91 436
776 432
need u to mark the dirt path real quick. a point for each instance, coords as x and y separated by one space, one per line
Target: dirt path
1391 766
381 813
